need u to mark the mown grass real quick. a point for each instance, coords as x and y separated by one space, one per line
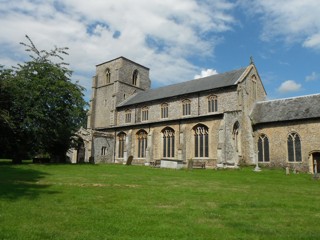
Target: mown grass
136 202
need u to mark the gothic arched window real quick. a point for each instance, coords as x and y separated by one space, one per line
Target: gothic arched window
144 114
186 107
294 147
201 141
235 135
121 141
164 110
168 142
142 138
135 77
212 104
263 148
128 116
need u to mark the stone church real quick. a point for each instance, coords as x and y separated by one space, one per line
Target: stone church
223 120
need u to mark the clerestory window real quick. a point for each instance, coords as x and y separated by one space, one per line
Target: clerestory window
128 116
164 110
186 107
212 104
144 114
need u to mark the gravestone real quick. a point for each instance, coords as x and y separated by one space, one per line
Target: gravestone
129 161
287 170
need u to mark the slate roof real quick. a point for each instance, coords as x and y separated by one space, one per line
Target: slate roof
197 85
298 108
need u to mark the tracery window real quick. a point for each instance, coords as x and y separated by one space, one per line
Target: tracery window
168 142
128 116
164 110
121 141
201 141
294 147
144 114
135 77
142 138
212 104
263 148
186 107
108 75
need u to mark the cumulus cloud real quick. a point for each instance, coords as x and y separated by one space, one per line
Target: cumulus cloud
289 86
312 77
159 34
206 73
288 20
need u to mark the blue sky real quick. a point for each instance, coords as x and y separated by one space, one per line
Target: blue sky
177 39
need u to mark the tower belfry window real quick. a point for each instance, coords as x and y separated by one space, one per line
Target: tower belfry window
108 76
135 77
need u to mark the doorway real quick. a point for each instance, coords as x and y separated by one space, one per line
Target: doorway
316 162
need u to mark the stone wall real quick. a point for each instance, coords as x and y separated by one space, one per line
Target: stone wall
277 133
184 140
106 95
100 155
250 90
227 101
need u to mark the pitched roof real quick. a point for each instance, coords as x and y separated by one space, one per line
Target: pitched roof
297 108
197 85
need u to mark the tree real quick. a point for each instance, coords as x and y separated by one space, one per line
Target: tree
46 107
6 127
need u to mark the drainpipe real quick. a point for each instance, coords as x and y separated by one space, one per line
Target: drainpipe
225 139
114 147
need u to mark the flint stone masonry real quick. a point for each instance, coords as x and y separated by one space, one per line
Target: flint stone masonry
232 130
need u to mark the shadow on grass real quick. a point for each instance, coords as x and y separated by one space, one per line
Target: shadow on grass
17 181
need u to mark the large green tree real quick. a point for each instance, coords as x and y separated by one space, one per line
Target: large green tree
45 107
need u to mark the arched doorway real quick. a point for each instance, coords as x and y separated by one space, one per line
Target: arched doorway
80 152
316 162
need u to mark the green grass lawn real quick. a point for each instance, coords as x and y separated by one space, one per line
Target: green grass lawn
136 202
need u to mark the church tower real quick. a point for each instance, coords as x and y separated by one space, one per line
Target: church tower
114 81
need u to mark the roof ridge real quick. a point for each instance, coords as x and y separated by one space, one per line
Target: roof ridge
226 79
195 79
289 98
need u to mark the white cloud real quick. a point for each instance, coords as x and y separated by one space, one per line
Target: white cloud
206 73
312 77
313 41
289 86
159 34
288 20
